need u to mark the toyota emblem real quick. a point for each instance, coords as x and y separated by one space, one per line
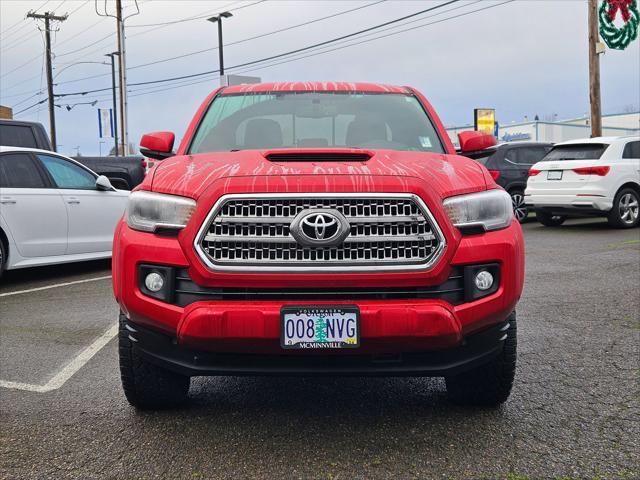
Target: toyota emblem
319 227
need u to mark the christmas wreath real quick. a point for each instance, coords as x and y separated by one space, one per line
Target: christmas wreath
614 37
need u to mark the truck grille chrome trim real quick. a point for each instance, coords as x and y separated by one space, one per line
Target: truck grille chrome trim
387 232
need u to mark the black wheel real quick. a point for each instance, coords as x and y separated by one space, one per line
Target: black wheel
3 256
520 210
489 384
146 385
625 213
550 220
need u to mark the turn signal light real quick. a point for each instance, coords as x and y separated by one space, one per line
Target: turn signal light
601 171
495 174
533 172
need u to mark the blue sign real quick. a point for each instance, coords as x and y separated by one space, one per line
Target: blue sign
513 137
105 122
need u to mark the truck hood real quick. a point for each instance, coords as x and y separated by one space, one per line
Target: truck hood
191 175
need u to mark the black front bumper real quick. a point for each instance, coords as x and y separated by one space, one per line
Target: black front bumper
164 351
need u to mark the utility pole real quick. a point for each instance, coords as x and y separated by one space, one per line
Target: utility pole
594 71
48 17
122 68
113 90
218 18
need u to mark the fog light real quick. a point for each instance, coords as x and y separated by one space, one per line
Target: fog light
154 282
484 280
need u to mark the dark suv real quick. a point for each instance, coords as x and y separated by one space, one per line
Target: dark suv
509 165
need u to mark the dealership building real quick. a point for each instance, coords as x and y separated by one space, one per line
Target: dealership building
618 124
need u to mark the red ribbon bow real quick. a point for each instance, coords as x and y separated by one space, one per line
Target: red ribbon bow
623 6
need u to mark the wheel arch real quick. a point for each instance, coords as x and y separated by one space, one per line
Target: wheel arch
516 186
5 243
632 185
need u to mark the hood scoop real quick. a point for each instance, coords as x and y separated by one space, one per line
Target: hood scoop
318 156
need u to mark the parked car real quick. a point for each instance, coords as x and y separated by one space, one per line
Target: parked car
54 209
356 243
124 172
509 165
591 177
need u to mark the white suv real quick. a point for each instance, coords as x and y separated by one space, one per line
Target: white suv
592 177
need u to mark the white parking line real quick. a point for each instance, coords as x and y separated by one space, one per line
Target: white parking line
70 369
55 286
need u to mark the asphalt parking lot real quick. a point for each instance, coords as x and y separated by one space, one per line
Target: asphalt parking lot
574 411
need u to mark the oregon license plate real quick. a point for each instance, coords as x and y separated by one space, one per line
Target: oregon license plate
320 326
554 175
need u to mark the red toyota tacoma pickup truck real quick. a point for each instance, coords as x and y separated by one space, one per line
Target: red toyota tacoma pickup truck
317 229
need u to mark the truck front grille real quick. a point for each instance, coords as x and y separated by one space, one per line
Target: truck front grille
385 232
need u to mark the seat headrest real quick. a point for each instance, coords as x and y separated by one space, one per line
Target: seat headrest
262 133
365 129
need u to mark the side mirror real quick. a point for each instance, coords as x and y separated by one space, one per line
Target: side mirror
472 141
103 183
157 145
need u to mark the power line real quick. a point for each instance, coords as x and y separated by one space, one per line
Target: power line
59 43
129 36
226 44
28 98
258 36
29 34
187 80
346 46
59 5
198 16
90 27
291 52
17 41
76 9
8 29
86 46
20 66
64 54
8 34
375 38
24 26
207 49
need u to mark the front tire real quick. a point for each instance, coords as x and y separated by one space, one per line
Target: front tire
146 385
489 384
625 211
520 210
549 220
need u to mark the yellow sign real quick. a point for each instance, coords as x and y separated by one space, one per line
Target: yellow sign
484 120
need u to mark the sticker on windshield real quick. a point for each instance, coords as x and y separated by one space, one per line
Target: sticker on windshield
425 142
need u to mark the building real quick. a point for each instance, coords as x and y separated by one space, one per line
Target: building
617 124
6 113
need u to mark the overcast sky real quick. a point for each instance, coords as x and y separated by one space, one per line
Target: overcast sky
525 57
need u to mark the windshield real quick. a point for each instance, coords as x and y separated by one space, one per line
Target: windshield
587 151
315 120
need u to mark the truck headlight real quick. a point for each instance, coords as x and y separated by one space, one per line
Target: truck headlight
148 211
489 210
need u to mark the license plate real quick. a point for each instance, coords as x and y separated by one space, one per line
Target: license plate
554 175
320 327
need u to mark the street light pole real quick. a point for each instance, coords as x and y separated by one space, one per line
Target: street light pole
218 18
113 89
